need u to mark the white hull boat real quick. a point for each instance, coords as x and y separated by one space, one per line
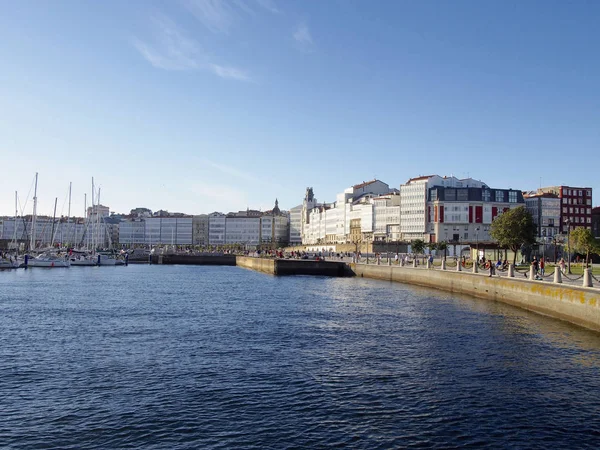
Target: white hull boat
105 260
83 262
49 261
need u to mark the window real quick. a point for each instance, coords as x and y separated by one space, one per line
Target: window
462 195
486 196
450 195
512 197
589 193
466 235
499 196
580 193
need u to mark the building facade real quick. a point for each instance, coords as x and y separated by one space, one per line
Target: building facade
575 206
462 216
545 210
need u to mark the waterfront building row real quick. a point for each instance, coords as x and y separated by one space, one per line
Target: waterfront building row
250 228
434 209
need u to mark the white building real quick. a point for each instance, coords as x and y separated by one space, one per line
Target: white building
168 230
413 202
295 237
200 230
216 228
132 232
330 223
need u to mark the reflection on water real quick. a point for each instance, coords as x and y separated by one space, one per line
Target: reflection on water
222 357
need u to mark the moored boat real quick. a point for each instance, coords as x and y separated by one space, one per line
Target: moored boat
47 260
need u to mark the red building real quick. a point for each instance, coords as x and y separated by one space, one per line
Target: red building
575 206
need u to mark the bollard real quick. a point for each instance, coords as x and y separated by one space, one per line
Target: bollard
531 273
443 264
415 262
389 261
587 278
475 268
428 264
458 267
511 270
557 275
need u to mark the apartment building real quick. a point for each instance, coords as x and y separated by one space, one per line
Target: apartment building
545 210
575 206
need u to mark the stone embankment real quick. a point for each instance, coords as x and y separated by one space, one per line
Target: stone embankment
294 266
579 305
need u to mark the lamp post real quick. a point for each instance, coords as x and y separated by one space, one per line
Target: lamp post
569 246
446 242
477 245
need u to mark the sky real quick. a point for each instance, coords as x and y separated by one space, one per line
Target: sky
197 106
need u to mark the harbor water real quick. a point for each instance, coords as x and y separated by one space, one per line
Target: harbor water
183 357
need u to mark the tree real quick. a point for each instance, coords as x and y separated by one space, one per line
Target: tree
418 246
513 229
443 246
432 246
583 241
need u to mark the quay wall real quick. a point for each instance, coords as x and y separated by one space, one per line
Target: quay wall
577 305
294 266
266 265
198 260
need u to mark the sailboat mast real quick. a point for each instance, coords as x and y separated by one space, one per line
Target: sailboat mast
69 234
98 218
32 244
53 222
85 223
16 215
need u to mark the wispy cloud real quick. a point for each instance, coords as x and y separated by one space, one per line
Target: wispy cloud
216 15
303 37
269 5
229 72
171 49
220 15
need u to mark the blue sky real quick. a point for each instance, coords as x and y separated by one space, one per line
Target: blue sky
204 105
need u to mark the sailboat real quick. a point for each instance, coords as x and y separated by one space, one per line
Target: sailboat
46 259
103 259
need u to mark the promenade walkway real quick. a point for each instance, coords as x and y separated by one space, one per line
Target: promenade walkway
520 273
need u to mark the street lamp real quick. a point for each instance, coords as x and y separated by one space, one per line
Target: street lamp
477 244
569 246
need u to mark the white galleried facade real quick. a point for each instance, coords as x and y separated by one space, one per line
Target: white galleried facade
413 203
248 227
62 232
168 230
371 205
296 225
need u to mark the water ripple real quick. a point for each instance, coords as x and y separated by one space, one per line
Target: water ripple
221 357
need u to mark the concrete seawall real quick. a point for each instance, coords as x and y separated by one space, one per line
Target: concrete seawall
574 304
197 260
294 266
